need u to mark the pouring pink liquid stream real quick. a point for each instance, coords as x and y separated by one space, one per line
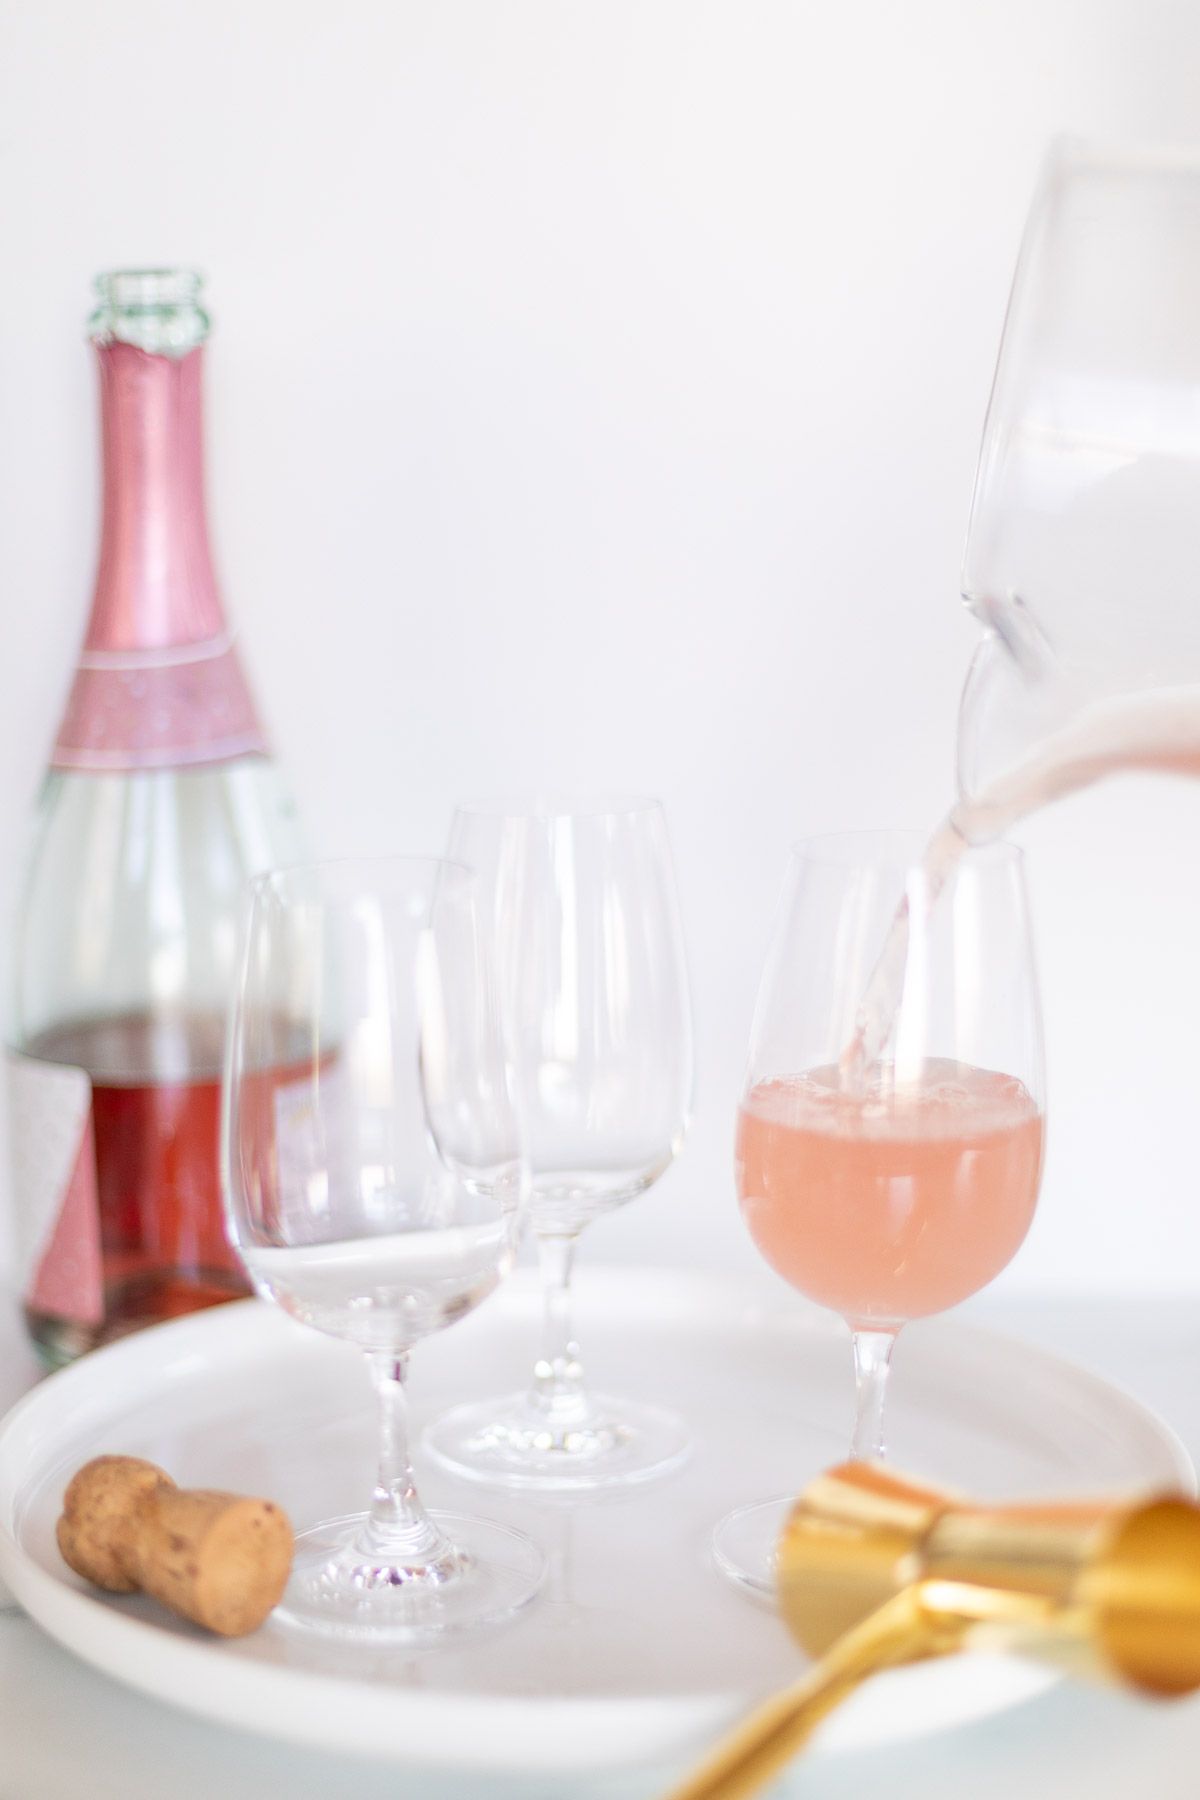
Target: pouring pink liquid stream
1155 732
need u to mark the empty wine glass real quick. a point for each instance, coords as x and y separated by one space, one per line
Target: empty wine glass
888 1182
373 1178
595 987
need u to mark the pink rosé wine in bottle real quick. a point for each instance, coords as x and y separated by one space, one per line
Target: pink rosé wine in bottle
160 802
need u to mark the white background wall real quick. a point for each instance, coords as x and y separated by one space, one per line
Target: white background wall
594 402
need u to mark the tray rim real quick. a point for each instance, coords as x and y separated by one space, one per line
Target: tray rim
185 1672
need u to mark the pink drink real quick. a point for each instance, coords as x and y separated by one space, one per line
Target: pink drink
889 1203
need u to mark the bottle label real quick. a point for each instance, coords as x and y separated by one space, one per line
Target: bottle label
53 1152
158 709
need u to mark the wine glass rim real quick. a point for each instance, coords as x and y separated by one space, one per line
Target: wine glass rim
345 877
897 849
559 806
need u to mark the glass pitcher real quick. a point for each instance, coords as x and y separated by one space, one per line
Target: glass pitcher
1082 560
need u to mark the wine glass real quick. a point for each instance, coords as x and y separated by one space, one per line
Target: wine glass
593 975
888 1153
374 1175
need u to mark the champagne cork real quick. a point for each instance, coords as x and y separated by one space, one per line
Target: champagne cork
218 1559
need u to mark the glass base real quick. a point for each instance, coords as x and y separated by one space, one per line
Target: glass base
483 1575
513 1444
745 1544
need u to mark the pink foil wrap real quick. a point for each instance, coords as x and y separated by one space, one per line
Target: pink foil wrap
158 683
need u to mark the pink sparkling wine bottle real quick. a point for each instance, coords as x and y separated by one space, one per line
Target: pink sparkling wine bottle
159 804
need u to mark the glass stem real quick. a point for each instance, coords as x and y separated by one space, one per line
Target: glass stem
872 1360
397 1526
558 1373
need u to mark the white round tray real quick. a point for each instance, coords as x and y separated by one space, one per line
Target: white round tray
636 1651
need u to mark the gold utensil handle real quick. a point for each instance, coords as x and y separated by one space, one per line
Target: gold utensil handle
901 1631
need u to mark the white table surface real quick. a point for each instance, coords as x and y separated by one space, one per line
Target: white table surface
66 1731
